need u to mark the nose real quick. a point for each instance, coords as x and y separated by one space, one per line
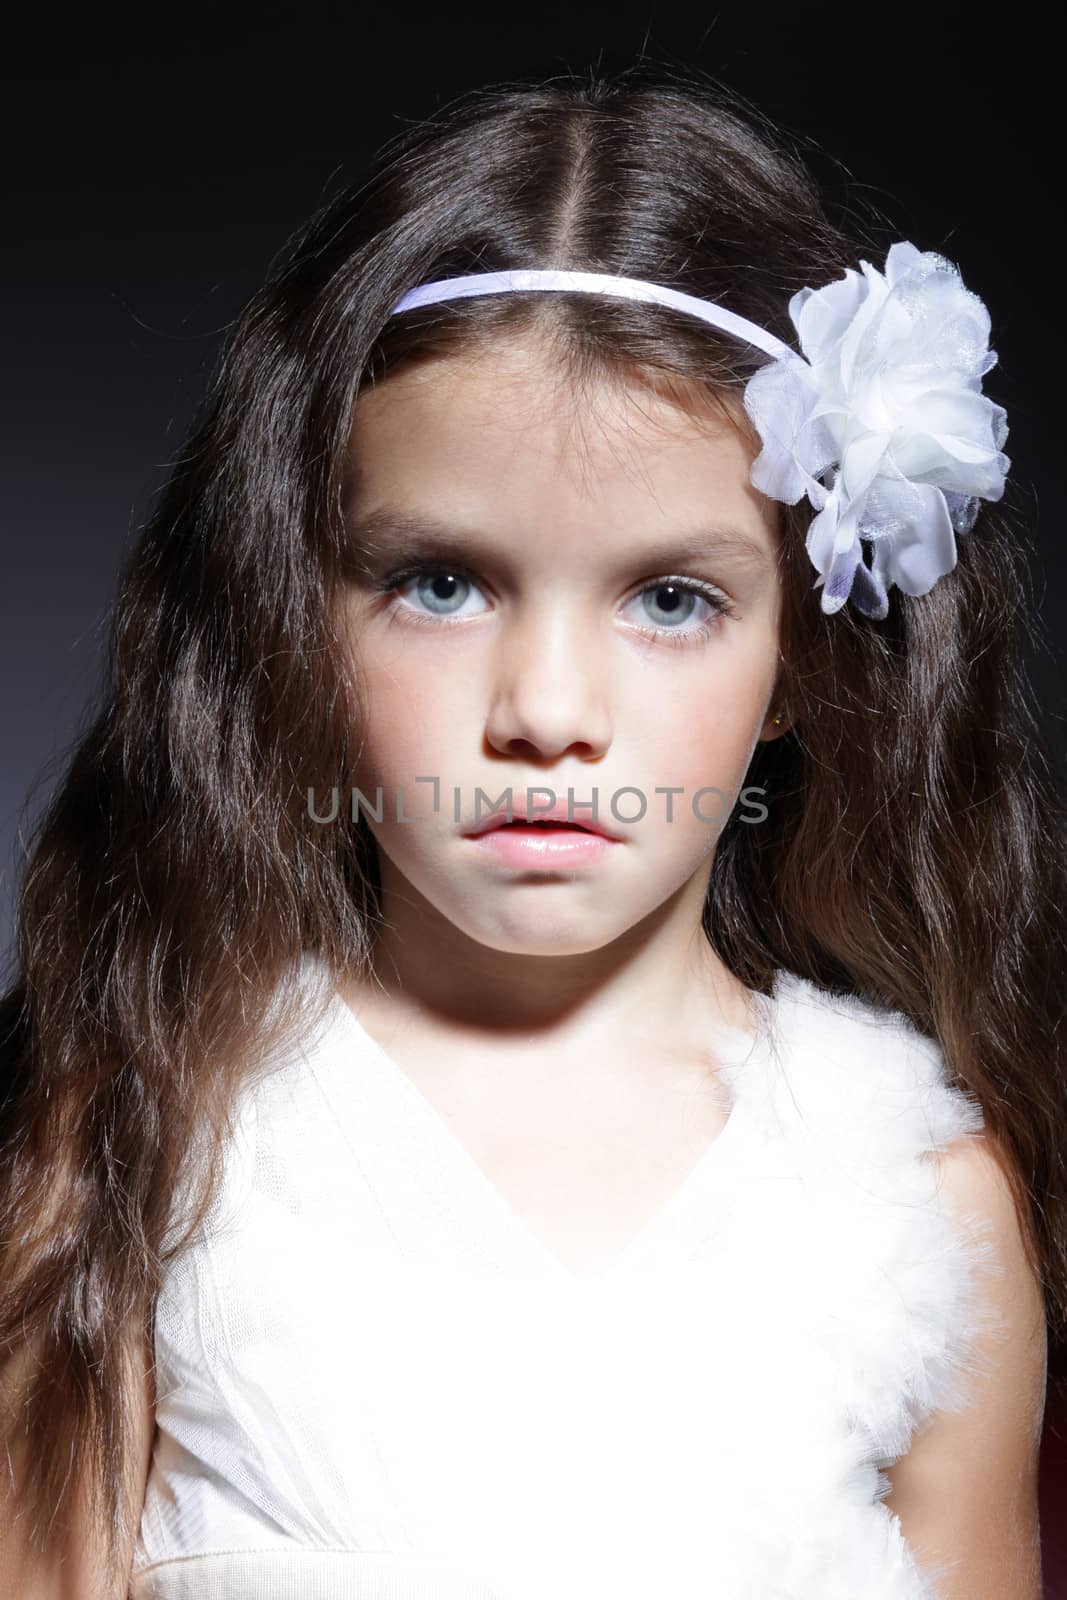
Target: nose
549 691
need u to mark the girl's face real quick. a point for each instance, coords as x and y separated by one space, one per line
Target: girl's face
593 608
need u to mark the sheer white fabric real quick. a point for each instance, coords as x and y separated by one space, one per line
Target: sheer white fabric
375 1381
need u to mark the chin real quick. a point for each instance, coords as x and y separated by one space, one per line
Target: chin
544 940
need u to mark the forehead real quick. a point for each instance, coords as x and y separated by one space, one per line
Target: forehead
509 422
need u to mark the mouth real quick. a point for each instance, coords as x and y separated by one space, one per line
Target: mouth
544 846
538 822
537 827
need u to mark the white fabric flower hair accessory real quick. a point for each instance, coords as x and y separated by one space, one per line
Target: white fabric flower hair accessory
886 401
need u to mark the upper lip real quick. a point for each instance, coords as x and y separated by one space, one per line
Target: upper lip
579 814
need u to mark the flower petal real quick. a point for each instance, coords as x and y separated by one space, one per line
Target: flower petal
868 593
862 461
822 316
841 575
925 548
779 399
821 541
902 259
854 341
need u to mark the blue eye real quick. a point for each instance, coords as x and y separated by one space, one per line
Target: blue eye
674 601
440 592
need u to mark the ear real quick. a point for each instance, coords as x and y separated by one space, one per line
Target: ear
773 729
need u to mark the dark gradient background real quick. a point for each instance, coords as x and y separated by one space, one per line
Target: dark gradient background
155 165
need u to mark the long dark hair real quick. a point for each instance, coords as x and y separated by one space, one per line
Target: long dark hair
914 851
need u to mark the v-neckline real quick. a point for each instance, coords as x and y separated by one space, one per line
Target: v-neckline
510 1236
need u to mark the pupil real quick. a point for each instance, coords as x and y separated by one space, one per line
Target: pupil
670 600
439 589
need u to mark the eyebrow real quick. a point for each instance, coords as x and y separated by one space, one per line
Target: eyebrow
388 531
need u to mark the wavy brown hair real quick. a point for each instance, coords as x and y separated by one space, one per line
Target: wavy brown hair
914 849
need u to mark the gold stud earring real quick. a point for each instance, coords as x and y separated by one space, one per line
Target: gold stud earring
778 719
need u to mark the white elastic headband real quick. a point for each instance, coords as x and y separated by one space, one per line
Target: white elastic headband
592 283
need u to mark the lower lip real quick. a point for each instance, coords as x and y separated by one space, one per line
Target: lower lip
547 848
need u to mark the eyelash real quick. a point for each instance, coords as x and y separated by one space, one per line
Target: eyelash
722 606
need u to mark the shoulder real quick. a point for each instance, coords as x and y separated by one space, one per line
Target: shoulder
864 1074
966 1491
842 1024
975 1175
962 1326
845 1022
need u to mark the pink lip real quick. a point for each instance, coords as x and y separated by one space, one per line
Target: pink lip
558 812
550 849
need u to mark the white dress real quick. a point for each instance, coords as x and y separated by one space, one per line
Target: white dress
375 1383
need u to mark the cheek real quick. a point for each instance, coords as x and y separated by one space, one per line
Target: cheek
703 732
411 715
701 749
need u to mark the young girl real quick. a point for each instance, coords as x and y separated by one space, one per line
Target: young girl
537 1064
